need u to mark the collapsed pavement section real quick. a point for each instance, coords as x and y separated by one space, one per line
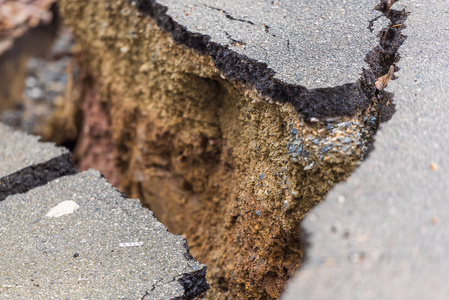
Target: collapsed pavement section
27 163
308 53
78 237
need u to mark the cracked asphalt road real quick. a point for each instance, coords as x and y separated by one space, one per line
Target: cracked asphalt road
79 254
280 34
309 53
384 233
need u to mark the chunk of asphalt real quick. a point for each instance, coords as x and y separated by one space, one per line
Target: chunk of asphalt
27 163
384 233
103 247
309 53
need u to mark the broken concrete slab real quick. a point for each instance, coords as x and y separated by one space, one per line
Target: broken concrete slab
27 163
384 234
105 246
310 53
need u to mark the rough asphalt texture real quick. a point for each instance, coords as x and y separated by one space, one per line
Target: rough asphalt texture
310 53
27 163
77 256
384 233
280 35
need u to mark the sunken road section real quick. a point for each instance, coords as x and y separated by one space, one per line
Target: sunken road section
307 53
78 237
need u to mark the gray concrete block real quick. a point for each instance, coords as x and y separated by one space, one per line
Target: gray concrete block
26 163
384 233
109 247
309 53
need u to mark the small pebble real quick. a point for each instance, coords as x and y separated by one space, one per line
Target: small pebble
124 49
356 257
36 93
327 148
330 261
64 208
433 166
261 176
308 167
372 121
347 140
31 81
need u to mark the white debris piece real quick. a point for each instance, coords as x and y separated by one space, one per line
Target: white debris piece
132 244
64 208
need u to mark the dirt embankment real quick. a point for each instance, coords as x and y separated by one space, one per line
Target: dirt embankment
232 172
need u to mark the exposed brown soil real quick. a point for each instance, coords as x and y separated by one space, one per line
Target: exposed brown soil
13 62
13 84
214 161
95 146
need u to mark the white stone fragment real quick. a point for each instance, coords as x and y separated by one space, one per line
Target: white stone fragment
64 208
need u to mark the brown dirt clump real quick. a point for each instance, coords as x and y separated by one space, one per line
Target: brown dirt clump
232 172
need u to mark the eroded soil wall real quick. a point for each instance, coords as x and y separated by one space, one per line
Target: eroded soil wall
232 172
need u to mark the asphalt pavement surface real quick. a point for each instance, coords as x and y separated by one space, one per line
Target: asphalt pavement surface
79 238
384 233
309 53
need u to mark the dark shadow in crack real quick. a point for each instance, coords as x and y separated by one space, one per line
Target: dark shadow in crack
386 54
